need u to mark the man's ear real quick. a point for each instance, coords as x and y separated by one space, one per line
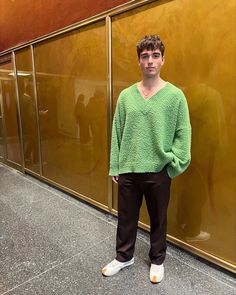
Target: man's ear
163 60
139 61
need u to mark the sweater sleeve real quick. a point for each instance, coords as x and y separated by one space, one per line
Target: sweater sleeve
116 140
181 147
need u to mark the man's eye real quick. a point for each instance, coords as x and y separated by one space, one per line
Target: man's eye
144 56
156 55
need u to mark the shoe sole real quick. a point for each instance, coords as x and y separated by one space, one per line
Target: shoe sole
156 277
155 280
124 266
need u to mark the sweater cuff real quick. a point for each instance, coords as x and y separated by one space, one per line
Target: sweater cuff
114 171
174 171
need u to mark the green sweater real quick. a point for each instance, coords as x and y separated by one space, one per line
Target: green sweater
149 134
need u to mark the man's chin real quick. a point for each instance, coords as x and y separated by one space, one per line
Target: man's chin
151 75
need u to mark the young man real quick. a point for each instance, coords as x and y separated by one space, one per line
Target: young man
151 138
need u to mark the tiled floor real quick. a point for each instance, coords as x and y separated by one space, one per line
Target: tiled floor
51 243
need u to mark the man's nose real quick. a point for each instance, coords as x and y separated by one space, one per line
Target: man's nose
150 59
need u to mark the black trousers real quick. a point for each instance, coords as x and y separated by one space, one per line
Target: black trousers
131 188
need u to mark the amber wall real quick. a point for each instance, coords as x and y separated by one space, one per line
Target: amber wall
32 19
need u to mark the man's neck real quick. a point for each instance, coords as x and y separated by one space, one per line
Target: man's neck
150 83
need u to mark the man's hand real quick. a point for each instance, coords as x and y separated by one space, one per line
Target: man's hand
115 179
43 112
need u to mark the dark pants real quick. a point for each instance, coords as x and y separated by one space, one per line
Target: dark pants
131 188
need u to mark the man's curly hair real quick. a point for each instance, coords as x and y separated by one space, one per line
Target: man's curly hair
150 42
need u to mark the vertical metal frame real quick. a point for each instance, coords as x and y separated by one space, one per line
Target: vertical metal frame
1 118
18 117
3 126
18 113
8 59
37 110
5 132
109 104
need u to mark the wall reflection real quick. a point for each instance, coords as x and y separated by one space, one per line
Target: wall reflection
27 109
1 128
210 143
202 202
71 87
8 96
1 140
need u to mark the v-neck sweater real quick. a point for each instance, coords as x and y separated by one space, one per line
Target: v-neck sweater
148 134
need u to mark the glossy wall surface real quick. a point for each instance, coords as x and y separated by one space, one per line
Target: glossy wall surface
27 103
9 123
72 96
2 144
202 207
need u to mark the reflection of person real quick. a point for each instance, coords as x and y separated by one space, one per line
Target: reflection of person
96 113
81 118
28 125
207 119
151 138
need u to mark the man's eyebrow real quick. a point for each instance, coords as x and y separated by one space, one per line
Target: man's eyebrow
157 53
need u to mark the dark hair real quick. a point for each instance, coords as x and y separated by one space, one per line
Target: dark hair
150 42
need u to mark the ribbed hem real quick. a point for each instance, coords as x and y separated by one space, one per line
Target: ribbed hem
144 168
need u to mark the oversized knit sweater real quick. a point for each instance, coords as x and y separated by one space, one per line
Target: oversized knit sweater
150 134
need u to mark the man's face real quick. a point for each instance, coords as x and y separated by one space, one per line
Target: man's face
150 62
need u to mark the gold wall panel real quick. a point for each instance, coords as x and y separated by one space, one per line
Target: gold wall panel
9 111
71 84
1 126
28 109
1 141
199 58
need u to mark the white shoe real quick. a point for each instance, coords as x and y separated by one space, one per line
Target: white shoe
202 236
156 273
115 266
